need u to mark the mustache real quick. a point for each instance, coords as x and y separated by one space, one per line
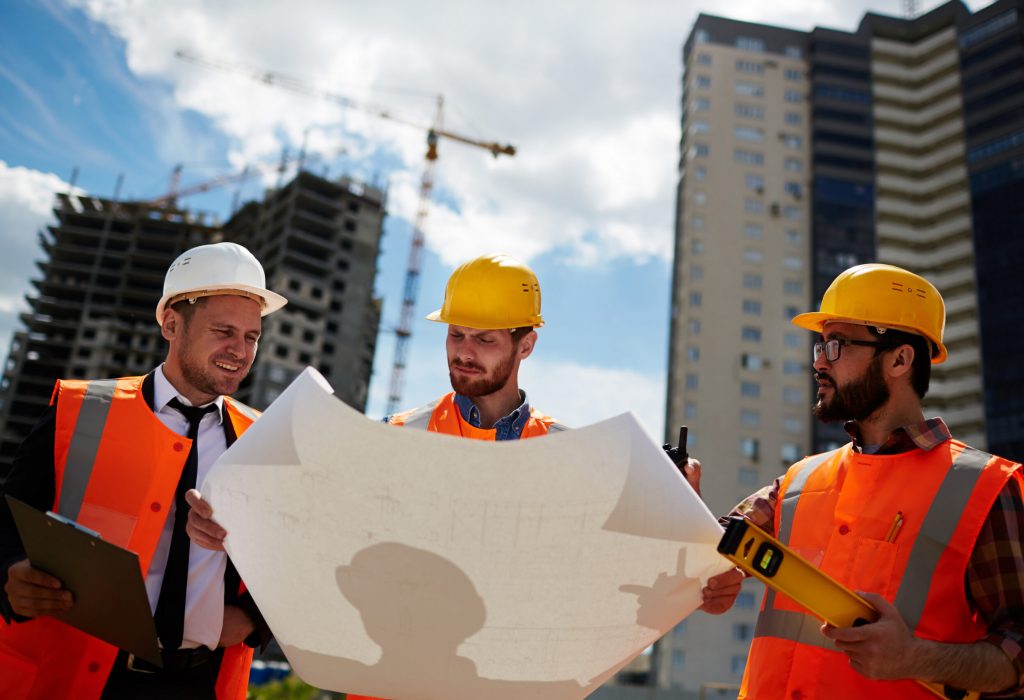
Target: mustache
822 376
466 365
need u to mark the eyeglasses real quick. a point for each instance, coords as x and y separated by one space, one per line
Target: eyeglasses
833 348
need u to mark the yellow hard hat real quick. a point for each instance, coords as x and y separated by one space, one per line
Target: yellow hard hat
883 296
491 292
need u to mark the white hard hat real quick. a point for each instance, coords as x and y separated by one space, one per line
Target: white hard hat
214 269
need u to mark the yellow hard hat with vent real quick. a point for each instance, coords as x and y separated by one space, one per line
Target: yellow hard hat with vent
491 292
886 297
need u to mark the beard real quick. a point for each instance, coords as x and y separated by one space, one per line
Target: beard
855 400
489 383
194 370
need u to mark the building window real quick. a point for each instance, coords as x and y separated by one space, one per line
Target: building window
752 362
678 659
749 133
791 340
701 36
749 418
792 395
793 236
789 312
747 476
691 380
792 367
697 222
749 89
742 632
696 298
745 157
703 59
703 81
701 104
694 326
752 67
792 424
751 255
751 307
793 213
699 198
700 127
746 43
754 182
793 52
793 165
752 281
793 74
696 272
793 96
700 150
748 111
690 409
792 141
794 188
693 353
750 390
793 118
792 287
792 262
700 173
753 231
790 452
753 206
751 334
750 448
697 245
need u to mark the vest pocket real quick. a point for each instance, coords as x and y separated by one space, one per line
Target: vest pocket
872 566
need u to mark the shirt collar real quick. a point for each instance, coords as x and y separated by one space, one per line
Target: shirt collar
925 435
471 414
164 391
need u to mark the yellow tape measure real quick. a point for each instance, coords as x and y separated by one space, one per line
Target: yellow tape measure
755 551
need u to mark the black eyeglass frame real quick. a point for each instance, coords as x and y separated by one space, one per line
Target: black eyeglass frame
836 345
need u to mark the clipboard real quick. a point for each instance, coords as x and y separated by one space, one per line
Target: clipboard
779 567
105 580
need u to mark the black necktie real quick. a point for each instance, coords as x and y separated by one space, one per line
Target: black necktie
170 607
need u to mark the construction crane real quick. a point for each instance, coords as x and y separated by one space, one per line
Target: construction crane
434 133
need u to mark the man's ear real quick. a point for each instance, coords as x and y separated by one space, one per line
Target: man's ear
170 325
902 360
526 344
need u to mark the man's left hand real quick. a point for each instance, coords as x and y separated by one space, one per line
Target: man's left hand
237 626
881 650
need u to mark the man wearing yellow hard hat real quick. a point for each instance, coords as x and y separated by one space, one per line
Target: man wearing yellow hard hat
928 529
491 305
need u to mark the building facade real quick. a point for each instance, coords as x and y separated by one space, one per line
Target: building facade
91 312
802 154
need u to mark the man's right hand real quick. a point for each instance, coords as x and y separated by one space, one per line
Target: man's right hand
201 527
721 591
691 471
32 593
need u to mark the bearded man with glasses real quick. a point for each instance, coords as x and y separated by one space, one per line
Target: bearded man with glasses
927 528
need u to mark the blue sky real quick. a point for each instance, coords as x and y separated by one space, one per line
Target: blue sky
587 91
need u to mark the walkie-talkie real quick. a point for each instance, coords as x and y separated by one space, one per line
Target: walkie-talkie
678 453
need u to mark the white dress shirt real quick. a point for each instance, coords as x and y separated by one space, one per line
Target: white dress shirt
204 597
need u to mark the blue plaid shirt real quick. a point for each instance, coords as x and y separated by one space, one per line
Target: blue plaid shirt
509 427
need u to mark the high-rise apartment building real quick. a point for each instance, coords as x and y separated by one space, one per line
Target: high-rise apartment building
102 274
802 154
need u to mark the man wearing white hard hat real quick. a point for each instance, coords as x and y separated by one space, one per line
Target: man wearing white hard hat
118 456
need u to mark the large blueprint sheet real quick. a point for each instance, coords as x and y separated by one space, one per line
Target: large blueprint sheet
414 566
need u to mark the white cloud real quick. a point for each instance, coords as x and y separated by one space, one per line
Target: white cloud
579 395
26 197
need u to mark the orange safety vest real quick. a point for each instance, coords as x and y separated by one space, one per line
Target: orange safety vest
837 510
117 468
443 416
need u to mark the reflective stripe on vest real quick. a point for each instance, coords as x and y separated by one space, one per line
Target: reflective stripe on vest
248 411
85 443
936 532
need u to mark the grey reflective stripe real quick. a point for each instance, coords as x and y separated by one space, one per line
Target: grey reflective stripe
936 531
85 443
793 491
419 418
557 428
793 626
